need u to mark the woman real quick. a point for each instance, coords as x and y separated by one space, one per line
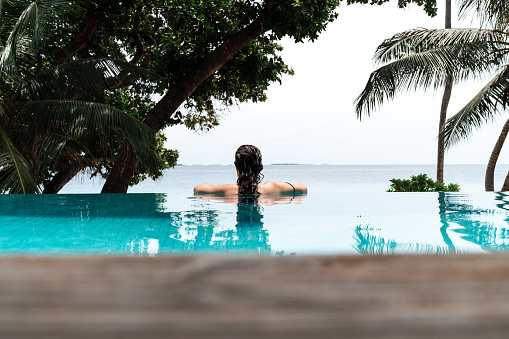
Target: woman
248 162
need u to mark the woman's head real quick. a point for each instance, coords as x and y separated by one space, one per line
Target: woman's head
248 161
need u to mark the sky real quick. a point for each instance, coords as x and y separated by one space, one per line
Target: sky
310 117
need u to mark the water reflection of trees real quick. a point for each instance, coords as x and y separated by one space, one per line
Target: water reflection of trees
203 231
208 231
370 244
132 224
485 227
139 224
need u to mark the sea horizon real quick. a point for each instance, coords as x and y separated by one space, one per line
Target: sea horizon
325 164
318 178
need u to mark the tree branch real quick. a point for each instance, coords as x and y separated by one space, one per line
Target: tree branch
81 39
135 35
161 114
60 179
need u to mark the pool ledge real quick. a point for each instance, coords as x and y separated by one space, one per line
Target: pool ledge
463 296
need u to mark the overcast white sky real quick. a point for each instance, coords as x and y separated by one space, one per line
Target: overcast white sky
310 118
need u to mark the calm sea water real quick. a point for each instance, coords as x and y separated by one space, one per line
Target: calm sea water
318 178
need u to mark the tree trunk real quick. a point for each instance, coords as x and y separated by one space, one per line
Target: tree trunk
81 39
441 127
506 183
121 175
443 109
448 13
60 179
135 35
489 181
161 115
442 204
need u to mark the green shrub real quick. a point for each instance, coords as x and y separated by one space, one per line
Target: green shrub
421 183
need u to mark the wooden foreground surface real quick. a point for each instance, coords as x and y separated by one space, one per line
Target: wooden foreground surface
463 296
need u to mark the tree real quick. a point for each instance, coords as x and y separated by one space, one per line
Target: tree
48 130
210 54
489 179
237 64
493 96
423 58
232 56
443 108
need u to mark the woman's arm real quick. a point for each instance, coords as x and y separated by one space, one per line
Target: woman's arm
215 189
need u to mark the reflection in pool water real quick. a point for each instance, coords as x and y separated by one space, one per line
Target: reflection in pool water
487 227
344 223
479 220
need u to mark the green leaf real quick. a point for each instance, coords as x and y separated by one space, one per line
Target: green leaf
420 183
16 174
421 58
18 52
85 77
478 111
79 119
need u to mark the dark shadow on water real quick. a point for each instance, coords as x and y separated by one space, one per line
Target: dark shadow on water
85 205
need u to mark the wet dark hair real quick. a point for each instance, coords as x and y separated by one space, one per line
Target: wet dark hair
248 161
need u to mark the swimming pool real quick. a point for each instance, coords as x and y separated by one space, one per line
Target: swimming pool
341 223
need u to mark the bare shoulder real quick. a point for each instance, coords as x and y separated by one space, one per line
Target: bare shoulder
272 187
216 189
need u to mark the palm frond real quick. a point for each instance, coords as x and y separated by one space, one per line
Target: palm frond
79 119
95 126
16 174
73 153
51 149
85 77
19 43
95 130
3 107
10 12
493 13
478 111
422 39
18 51
425 69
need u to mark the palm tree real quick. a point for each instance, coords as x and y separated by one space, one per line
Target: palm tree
424 58
443 108
48 131
493 96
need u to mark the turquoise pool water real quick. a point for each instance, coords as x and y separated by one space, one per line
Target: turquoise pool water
344 223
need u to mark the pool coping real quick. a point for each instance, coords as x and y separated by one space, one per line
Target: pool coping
403 296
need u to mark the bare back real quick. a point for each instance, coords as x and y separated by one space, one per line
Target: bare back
269 187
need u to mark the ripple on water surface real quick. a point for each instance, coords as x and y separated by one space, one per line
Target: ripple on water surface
339 223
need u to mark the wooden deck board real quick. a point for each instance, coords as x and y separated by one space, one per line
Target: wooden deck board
457 296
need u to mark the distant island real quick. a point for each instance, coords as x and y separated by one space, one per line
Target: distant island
285 163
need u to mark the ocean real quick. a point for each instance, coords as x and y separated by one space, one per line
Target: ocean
318 178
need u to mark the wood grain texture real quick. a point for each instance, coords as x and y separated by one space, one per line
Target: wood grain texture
457 296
